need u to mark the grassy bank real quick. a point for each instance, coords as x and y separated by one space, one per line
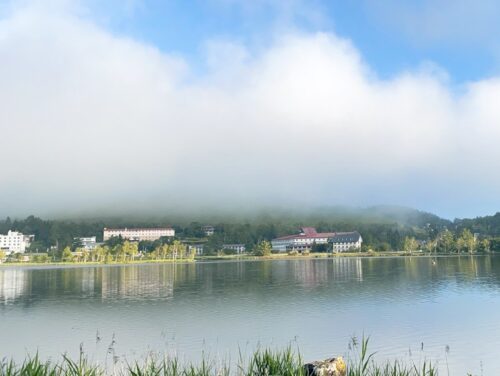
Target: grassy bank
261 363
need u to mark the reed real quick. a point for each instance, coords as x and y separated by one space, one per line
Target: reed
363 364
264 362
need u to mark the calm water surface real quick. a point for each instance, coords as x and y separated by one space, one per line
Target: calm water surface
218 309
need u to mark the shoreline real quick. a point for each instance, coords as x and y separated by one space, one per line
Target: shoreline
236 258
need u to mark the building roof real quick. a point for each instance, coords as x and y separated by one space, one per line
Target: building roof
311 233
308 233
138 229
346 237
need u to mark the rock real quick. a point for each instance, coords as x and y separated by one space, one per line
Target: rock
328 367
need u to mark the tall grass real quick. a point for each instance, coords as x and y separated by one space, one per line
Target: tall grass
34 366
363 364
261 363
270 363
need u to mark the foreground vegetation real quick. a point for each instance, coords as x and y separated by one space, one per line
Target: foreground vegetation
261 363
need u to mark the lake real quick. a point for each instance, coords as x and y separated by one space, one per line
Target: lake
412 308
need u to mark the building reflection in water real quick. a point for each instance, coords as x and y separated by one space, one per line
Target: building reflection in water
13 284
155 281
310 273
158 281
123 282
347 269
313 273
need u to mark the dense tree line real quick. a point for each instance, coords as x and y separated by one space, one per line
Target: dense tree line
489 225
386 232
114 250
447 242
118 250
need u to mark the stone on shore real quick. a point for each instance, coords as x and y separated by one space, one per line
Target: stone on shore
328 367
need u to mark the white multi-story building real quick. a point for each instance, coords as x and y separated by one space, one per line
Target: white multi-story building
88 243
341 241
197 247
208 230
238 248
138 234
304 240
346 241
15 242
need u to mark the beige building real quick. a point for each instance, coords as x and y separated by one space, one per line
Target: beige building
138 234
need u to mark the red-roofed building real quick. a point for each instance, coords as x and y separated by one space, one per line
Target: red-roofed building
308 236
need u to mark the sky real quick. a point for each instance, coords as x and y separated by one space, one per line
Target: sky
150 105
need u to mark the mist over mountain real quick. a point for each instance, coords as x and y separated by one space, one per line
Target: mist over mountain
100 121
382 227
265 214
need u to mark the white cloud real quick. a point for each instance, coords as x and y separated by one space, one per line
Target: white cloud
90 118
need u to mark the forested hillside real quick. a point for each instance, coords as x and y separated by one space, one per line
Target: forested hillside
382 227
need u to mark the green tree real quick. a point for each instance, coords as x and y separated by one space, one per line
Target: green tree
484 245
263 248
67 256
460 245
384 247
466 241
446 242
37 246
2 255
430 245
178 249
164 251
228 251
80 255
118 252
155 255
98 254
114 241
85 254
130 250
108 258
410 245
148 245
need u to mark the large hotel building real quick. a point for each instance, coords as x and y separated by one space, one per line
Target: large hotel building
339 241
138 234
15 242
